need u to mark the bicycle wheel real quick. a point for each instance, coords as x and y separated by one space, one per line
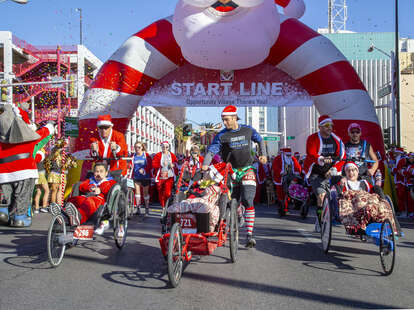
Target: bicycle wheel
130 202
326 225
234 231
174 255
387 247
55 240
120 217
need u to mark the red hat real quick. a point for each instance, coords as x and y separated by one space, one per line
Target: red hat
165 142
351 164
324 119
354 126
230 110
288 151
399 150
104 120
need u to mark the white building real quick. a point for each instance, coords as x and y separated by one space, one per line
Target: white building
151 127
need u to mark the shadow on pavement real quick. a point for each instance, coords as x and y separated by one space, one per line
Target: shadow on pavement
286 292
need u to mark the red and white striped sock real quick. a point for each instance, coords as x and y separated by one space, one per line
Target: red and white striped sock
249 219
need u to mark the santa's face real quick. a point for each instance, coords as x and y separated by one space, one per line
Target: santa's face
226 34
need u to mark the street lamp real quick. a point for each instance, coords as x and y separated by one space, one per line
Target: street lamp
80 24
17 1
395 92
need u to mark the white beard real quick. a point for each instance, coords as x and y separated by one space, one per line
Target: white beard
234 40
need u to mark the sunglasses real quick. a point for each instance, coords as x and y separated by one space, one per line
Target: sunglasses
104 127
355 132
327 125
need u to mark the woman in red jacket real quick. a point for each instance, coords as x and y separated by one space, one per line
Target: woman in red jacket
165 170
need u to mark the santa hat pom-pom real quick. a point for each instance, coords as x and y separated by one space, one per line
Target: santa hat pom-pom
292 8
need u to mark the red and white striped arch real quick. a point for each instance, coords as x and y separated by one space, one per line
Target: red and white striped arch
305 55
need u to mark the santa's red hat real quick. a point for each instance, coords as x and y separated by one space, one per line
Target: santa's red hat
399 150
104 120
323 119
288 151
354 126
351 165
165 142
297 154
230 110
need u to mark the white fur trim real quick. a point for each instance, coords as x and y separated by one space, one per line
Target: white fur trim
18 175
326 120
104 123
229 113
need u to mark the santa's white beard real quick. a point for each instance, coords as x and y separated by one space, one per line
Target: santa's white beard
226 41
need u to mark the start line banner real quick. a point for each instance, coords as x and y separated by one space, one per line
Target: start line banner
262 85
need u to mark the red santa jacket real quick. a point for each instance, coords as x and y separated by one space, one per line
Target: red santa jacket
263 172
105 150
409 175
365 183
400 171
314 151
17 161
156 165
105 186
279 166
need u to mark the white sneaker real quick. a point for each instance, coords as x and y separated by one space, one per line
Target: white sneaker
102 227
36 211
317 226
121 232
44 210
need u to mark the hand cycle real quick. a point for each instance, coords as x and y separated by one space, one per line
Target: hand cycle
189 233
61 235
382 234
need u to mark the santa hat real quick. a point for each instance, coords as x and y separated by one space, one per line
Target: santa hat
287 151
217 172
323 119
297 154
399 150
351 165
354 126
104 120
165 142
230 110
292 8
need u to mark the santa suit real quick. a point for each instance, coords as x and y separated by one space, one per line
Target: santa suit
104 147
87 206
314 151
279 167
409 177
400 183
18 170
164 179
263 172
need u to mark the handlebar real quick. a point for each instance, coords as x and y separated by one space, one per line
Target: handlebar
108 158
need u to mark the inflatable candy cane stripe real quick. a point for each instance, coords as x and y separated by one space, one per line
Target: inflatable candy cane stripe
299 51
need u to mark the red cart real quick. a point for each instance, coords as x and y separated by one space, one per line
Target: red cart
187 234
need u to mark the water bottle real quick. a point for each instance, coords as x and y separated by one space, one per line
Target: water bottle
378 178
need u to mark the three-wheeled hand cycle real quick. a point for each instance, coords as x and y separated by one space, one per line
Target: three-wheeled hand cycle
188 232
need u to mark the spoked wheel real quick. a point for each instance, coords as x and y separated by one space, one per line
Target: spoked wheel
131 202
387 247
175 256
326 225
120 219
56 240
233 230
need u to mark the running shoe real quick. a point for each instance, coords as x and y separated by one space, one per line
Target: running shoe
146 212
102 227
44 210
73 214
121 232
250 241
55 209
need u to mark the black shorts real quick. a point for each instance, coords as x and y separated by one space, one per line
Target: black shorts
143 182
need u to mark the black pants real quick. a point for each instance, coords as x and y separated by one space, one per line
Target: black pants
244 194
19 195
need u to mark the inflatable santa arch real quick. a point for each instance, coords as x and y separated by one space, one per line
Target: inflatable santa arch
230 35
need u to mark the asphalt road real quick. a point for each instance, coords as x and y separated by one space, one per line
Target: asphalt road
287 270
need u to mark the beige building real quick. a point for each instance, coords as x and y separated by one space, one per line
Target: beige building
407 100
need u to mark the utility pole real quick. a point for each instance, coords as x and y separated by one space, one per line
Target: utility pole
337 15
397 75
80 25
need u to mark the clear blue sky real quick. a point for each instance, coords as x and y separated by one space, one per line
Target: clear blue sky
107 24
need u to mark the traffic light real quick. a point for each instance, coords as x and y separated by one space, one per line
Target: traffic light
4 92
387 136
187 128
